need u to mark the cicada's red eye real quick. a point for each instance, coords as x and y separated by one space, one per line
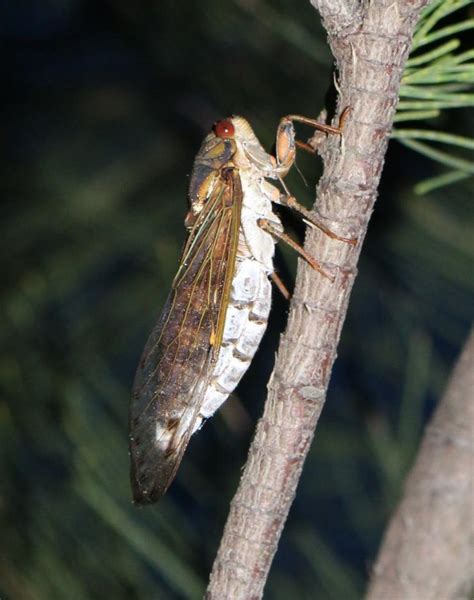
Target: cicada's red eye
224 129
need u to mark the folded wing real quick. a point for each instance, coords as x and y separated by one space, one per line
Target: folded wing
179 355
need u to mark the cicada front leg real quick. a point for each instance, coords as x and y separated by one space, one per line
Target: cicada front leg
286 145
285 154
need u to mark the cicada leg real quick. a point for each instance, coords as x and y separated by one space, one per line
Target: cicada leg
277 280
308 217
285 147
270 228
322 126
305 146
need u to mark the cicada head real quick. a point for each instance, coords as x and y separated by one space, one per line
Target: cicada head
250 152
216 151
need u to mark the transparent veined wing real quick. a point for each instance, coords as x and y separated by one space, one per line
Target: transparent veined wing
180 353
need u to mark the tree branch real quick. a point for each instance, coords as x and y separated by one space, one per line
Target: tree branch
428 550
371 50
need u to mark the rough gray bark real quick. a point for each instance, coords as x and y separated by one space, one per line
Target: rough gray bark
370 42
428 550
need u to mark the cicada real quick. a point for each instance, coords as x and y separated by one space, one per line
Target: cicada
218 307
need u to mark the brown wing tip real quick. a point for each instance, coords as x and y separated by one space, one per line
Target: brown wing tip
147 487
156 448
151 473
145 492
144 498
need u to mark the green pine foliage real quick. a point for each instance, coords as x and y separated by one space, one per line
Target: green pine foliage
439 76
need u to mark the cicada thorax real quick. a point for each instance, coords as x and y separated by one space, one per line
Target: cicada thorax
214 155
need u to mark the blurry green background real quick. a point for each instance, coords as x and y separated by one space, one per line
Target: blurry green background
104 107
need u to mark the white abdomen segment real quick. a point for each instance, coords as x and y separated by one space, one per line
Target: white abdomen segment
245 324
250 298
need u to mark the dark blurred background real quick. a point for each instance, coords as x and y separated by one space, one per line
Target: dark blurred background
104 107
